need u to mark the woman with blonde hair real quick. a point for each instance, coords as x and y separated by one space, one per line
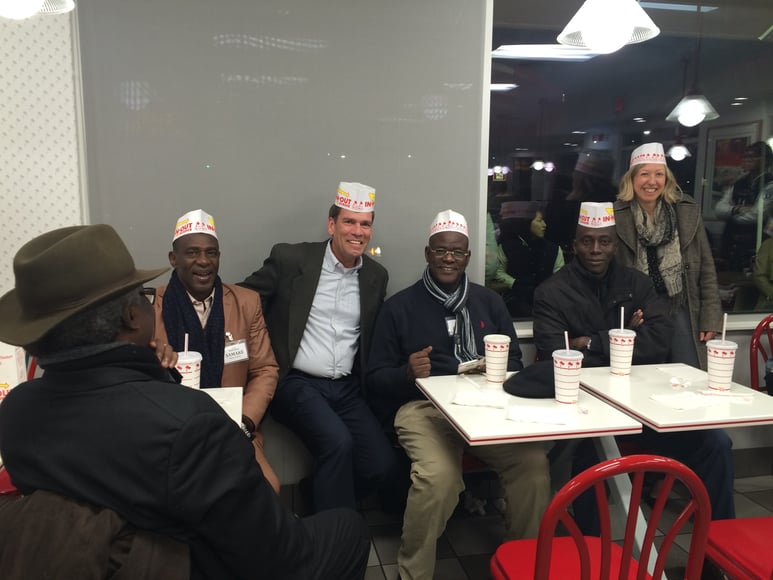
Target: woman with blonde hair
662 234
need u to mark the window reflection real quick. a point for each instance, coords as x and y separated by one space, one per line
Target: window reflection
586 117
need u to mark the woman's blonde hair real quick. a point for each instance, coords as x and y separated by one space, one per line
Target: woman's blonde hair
671 192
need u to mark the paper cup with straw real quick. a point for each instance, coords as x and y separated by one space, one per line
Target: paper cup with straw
189 366
567 364
721 360
621 342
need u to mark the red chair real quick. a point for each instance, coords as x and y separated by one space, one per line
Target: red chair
741 548
6 487
583 557
758 351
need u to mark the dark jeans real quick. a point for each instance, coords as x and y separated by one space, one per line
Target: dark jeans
708 453
341 545
352 453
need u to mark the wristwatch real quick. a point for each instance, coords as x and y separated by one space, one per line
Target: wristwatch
587 346
250 435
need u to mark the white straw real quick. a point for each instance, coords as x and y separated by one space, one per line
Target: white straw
724 326
566 339
622 318
186 343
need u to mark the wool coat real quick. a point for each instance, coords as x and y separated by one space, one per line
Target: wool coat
700 274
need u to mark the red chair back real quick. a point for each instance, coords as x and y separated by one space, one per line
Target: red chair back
6 486
760 349
581 557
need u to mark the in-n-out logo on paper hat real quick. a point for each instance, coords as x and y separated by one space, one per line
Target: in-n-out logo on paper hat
355 197
648 153
449 221
195 222
596 215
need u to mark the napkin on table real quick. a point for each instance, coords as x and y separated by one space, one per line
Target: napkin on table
550 416
480 398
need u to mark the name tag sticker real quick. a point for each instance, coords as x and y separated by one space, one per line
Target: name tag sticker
235 351
451 325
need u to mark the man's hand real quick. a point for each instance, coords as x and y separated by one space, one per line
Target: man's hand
637 319
419 364
165 353
706 335
579 343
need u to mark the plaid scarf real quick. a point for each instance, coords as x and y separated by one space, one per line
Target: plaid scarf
456 302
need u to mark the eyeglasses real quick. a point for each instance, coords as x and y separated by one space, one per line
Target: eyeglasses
443 252
149 293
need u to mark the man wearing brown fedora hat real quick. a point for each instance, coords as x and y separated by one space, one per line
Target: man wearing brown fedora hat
108 425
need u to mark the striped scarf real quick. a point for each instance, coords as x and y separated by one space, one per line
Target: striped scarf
456 302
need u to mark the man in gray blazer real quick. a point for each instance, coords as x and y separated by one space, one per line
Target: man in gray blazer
320 303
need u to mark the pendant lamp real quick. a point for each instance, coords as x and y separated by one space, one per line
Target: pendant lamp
694 108
605 26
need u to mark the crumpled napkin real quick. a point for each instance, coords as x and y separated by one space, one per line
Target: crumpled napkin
552 416
480 398
687 400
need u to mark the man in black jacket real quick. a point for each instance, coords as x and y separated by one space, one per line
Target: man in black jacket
584 298
108 425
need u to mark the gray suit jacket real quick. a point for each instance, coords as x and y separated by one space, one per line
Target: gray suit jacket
287 282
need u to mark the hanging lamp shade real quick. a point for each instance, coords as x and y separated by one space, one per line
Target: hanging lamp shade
678 151
694 108
19 9
605 26
57 6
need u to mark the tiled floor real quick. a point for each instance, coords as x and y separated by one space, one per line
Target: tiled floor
469 541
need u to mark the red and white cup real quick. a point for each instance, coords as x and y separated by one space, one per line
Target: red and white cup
567 365
621 341
721 359
497 355
189 366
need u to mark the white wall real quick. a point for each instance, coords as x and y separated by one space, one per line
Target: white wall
40 172
255 111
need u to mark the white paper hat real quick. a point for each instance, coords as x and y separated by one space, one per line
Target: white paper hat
449 221
648 153
195 222
355 197
596 215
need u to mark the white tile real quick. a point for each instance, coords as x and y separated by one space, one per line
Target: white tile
750 484
372 556
386 539
746 508
374 573
480 535
449 569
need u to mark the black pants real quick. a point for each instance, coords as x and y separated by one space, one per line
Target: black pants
341 545
351 452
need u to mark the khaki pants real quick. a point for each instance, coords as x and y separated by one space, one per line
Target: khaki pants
435 450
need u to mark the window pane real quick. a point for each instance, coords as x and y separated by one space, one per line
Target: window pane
565 132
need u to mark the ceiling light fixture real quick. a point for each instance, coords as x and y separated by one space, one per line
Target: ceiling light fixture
605 26
556 52
694 108
57 6
19 9
503 87
678 150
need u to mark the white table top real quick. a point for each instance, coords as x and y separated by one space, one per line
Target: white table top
488 425
632 394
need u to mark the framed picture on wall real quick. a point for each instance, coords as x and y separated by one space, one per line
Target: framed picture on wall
724 160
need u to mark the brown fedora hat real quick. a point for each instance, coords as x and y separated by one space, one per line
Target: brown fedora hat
61 273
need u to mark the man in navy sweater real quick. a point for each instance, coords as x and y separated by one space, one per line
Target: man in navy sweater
429 329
